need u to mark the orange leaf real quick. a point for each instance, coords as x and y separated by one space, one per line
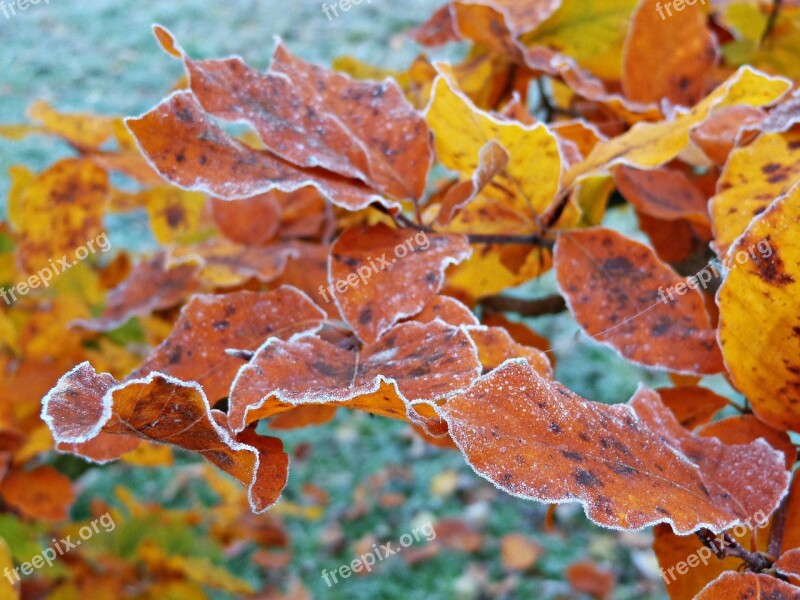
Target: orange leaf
748 585
410 362
589 578
612 285
188 149
380 275
152 285
662 193
313 118
692 405
42 494
535 439
678 67
743 429
211 324
164 409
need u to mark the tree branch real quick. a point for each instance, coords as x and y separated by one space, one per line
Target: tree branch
549 305
756 562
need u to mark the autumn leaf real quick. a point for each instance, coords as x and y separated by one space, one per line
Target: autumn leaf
678 67
42 493
409 363
753 177
759 323
188 149
211 324
529 182
380 275
314 118
540 442
58 212
613 287
164 409
748 585
151 285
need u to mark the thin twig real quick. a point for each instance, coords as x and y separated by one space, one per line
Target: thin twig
549 305
756 562
773 19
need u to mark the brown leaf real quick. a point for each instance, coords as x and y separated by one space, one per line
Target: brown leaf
692 405
748 585
151 286
589 578
211 324
164 409
535 439
41 494
312 117
380 275
612 285
188 149
412 361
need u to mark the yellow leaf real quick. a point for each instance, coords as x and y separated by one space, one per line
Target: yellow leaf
753 177
649 145
529 182
175 215
58 213
590 31
759 321
7 590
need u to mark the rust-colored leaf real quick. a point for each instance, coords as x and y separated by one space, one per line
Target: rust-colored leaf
618 291
211 324
692 405
164 409
411 362
537 440
151 285
748 585
743 429
678 67
41 494
380 275
188 149
662 193
313 118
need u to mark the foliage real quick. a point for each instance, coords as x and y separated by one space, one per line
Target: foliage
281 295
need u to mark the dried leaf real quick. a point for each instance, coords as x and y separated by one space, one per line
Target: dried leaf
211 324
612 285
536 440
380 275
164 409
748 585
759 328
